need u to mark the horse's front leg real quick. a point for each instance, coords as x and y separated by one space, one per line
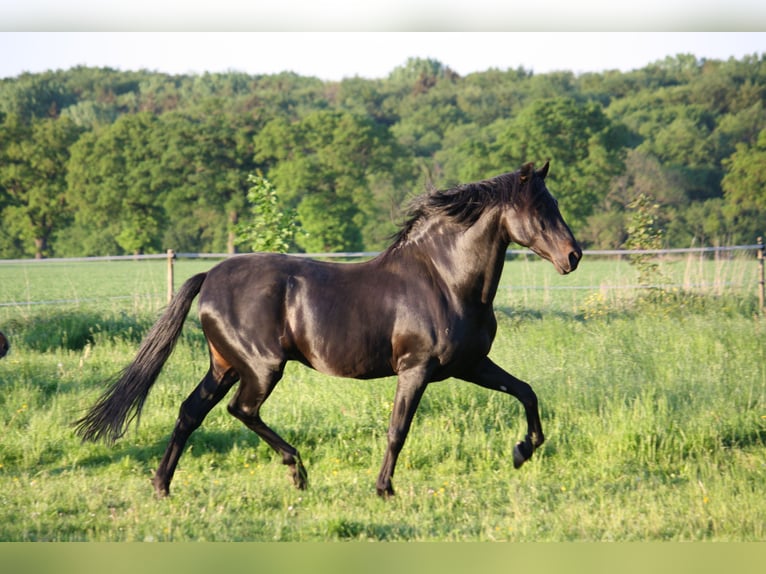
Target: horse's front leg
487 374
409 390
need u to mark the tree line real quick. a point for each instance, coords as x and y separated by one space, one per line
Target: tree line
97 161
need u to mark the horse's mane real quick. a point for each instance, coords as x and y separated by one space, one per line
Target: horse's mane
463 204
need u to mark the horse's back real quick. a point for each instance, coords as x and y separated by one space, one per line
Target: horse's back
268 275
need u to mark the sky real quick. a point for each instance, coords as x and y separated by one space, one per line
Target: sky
382 15
338 55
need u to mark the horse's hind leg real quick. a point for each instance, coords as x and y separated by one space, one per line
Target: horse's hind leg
191 414
253 390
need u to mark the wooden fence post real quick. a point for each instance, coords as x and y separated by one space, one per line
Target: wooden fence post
171 257
761 282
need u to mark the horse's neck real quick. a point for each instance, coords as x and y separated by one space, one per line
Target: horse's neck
468 261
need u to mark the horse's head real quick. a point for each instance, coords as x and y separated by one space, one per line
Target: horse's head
534 221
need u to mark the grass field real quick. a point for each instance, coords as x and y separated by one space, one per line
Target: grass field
654 413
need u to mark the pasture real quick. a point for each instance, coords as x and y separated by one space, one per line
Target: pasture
654 410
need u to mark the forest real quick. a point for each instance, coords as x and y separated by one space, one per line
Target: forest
97 161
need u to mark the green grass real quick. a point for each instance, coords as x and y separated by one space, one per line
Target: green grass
655 418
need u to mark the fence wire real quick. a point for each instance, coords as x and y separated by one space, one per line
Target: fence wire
619 254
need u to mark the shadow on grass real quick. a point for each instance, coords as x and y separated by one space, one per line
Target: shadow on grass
346 529
224 447
201 443
741 438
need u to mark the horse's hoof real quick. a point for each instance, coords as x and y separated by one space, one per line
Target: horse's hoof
300 476
521 453
161 490
386 493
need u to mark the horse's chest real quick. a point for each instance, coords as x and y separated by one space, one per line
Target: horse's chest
468 344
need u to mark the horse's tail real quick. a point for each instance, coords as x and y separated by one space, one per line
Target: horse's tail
122 402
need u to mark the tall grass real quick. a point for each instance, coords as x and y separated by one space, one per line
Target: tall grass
655 418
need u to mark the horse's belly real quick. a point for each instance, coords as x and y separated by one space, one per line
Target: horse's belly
339 333
347 365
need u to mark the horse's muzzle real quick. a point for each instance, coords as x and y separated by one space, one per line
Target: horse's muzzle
571 262
574 258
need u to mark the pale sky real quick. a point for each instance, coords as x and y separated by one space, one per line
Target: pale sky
382 15
335 55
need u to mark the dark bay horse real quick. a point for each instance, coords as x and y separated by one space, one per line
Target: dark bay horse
4 346
421 310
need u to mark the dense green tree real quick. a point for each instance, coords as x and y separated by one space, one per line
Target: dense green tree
745 188
422 129
469 153
114 182
485 97
361 97
745 182
426 105
643 176
710 222
205 160
33 179
323 165
419 74
328 224
287 95
741 127
35 96
11 130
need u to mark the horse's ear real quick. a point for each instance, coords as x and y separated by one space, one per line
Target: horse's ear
526 172
543 171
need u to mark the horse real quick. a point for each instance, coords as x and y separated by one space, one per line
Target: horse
4 345
421 310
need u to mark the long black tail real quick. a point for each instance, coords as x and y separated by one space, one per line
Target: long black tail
122 402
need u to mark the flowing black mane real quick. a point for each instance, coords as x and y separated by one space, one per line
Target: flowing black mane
463 204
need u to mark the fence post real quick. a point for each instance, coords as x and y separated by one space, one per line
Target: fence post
171 257
761 282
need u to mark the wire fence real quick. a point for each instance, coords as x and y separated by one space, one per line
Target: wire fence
753 279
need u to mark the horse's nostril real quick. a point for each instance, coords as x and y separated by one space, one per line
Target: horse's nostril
574 259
